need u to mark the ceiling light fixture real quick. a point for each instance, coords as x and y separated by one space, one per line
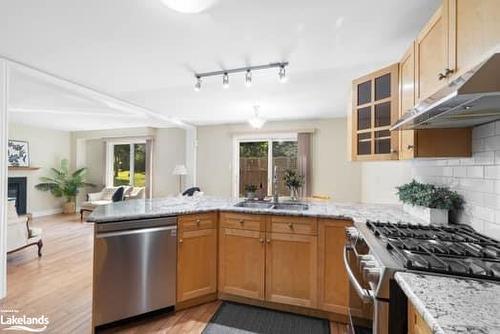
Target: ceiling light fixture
225 80
248 73
256 122
282 74
248 78
197 85
189 6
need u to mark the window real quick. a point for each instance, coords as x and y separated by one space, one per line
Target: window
128 164
255 159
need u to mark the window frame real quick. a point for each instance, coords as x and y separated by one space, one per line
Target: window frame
110 154
248 138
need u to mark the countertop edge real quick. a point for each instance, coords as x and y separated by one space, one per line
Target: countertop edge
419 305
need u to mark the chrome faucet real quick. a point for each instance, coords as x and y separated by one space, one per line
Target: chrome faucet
275 185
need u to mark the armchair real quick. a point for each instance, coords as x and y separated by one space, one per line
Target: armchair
19 233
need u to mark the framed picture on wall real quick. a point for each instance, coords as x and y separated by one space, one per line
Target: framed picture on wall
18 153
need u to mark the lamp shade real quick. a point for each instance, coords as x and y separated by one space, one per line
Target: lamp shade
180 170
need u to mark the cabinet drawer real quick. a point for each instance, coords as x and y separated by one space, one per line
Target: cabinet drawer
294 225
243 221
198 222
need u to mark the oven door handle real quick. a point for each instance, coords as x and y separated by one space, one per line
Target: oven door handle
364 294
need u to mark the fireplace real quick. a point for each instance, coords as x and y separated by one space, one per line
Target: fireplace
17 190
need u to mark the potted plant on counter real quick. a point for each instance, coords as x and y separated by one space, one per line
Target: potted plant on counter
65 184
294 182
250 190
428 202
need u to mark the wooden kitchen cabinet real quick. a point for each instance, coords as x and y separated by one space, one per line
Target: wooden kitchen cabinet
291 269
416 324
197 256
432 68
333 289
428 143
242 262
474 32
374 108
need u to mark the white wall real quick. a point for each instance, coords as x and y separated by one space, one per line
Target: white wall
380 178
3 176
169 150
332 174
46 148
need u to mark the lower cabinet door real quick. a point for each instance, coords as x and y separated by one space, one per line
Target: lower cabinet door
241 263
291 269
196 264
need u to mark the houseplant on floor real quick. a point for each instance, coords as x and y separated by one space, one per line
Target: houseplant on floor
294 182
428 202
65 184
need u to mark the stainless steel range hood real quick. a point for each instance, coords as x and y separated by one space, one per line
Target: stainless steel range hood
469 100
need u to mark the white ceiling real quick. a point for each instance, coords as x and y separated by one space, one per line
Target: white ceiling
143 52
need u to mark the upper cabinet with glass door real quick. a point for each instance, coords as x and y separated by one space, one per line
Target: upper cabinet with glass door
375 108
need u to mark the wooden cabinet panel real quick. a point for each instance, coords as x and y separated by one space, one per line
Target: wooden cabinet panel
241 262
474 30
197 264
432 55
198 222
243 221
294 225
291 269
416 324
407 100
333 289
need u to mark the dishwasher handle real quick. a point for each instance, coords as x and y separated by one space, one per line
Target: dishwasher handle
136 231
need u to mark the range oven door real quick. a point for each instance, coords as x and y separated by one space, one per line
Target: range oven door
361 298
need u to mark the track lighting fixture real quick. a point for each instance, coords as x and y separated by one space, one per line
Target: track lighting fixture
282 74
248 78
197 85
248 74
225 80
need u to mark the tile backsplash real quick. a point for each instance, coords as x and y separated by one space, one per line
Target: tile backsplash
477 179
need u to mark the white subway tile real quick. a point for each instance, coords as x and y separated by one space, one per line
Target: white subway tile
497 157
478 145
490 143
484 158
492 230
459 171
497 126
483 213
454 162
467 161
492 201
475 171
477 224
497 187
492 172
472 197
483 131
479 185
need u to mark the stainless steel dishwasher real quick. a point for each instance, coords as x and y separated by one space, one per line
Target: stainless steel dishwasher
134 268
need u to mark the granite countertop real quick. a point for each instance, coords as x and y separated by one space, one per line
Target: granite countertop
453 305
160 207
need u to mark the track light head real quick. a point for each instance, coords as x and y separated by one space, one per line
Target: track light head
225 80
197 85
248 78
282 74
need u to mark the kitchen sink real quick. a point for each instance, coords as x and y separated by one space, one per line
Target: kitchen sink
255 205
273 206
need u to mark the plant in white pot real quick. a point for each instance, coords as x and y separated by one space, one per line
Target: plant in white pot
294 181
428 202
65 184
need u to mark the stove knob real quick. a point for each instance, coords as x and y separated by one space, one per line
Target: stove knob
368 264
372 275
352 233
366 258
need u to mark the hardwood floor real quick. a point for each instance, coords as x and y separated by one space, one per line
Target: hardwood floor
58 285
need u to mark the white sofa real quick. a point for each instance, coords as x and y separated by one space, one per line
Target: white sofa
105 197
19 234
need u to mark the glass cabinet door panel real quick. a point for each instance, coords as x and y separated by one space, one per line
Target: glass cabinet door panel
364 143
382 142
383 87
364 118
364 93
382 114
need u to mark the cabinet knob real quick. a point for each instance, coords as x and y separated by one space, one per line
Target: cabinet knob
290 225
242 221
180 241
448 71
261 240
410 147
198 222
441 76
268 241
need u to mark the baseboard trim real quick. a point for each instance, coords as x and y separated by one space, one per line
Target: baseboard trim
49 212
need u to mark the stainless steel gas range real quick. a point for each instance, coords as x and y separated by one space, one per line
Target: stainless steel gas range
374 251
